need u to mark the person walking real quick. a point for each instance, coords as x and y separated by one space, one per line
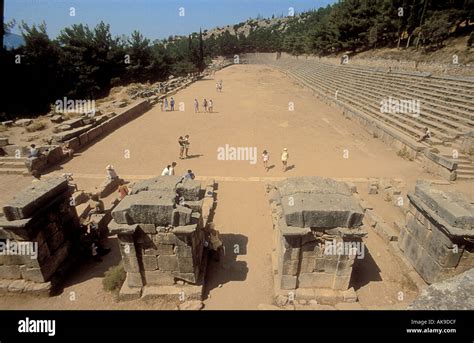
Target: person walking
284 159
181 143
204 105
265 158
210 105
166 104
172 104
196 105
186 146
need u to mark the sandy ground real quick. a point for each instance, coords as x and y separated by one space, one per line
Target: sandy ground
252 111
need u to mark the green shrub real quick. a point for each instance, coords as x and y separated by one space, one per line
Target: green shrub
114 278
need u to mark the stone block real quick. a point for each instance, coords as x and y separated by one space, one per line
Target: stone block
146 208
186 265
31 199
167 262
159 277
290 267
150 262
288 282
341 282
10 272
316 280
181 216
134 280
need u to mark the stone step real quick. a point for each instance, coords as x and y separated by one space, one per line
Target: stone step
14 172
12 165
428 111
11 159
419 126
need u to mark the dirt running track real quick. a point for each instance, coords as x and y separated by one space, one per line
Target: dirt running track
252 111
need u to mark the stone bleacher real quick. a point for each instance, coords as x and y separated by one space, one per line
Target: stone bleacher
446 103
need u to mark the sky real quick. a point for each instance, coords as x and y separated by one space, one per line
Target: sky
155 19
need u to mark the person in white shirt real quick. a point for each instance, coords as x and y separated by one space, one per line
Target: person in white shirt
427 135
166 171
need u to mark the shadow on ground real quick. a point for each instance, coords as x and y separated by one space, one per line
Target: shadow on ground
228 268
364 271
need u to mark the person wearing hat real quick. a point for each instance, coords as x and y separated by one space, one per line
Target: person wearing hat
284 158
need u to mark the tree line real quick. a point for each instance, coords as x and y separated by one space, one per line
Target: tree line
84 62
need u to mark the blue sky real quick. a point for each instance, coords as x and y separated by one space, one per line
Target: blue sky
153 18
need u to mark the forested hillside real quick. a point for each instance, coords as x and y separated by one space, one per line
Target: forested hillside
84 62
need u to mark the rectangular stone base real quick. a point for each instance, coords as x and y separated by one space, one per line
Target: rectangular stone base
21 286
175 293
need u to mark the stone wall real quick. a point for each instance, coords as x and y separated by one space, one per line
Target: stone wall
162 242
37 231
80 139
316 222
437 237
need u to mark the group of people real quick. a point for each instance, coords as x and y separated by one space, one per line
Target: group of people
207 105
284 159
167 105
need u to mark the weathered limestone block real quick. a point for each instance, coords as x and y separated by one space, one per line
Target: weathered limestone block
168 262
323 211
33 198
146 208
451 294
189 189
160 278
453 207
181 216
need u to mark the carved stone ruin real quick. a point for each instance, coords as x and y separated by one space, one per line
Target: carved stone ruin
317 226
438 238
161 242
37 233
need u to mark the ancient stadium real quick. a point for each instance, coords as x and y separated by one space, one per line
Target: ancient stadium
264 181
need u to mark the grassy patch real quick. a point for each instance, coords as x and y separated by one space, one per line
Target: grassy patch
114 278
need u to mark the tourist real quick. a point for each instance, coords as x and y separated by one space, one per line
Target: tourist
172 104
210 105
284 159
161 105
181 142
111 174
220 86
96 205
426 135
171 169
265 158
166 104
34 152
166 171
122 190
217 86
189 175
67 150
196 105
69 179
186 146
179 199
204 105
